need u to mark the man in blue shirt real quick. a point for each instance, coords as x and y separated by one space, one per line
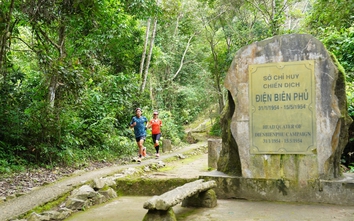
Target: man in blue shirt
139 124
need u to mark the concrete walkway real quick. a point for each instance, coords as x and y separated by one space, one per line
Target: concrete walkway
131 208
21 205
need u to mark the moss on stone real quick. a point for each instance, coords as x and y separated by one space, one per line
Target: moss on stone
186 213
48 206
148 187
345 119
160 215
229 160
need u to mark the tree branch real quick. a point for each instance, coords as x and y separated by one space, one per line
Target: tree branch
182 59
30 47
48 39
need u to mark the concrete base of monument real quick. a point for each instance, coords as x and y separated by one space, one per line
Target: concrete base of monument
336 191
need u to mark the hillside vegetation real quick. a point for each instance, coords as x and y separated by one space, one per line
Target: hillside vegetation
73 72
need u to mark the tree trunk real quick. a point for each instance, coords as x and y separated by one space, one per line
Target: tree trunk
142 88
220 94
172 50
152 94
217 76
182 59
54 82
145 46
5 36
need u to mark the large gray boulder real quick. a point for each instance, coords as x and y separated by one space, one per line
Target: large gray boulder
331 120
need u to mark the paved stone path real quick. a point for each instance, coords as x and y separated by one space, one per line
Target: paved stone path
20 205
131 208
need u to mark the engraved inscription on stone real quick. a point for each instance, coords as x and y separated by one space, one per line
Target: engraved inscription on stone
282 108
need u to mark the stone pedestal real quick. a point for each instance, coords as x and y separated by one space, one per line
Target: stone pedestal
160 215
206 199
166 145
214 148
190 138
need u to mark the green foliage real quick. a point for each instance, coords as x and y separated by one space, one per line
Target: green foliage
171 128
68 82
332 22
351 168
141 8
9 162
341 43
330 14
95 86
350 99
187 102
216 128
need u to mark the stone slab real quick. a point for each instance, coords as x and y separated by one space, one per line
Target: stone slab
175 196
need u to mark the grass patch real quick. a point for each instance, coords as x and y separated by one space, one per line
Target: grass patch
164 169
48 206
184 215
148 187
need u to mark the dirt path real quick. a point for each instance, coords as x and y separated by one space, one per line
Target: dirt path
189 167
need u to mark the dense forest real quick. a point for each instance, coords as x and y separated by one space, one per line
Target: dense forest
73 71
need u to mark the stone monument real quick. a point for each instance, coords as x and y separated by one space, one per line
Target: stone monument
286 121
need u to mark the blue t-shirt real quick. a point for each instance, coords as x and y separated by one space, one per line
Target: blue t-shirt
139 129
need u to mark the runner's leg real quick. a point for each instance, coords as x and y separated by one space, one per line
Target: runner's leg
156 144
140 146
